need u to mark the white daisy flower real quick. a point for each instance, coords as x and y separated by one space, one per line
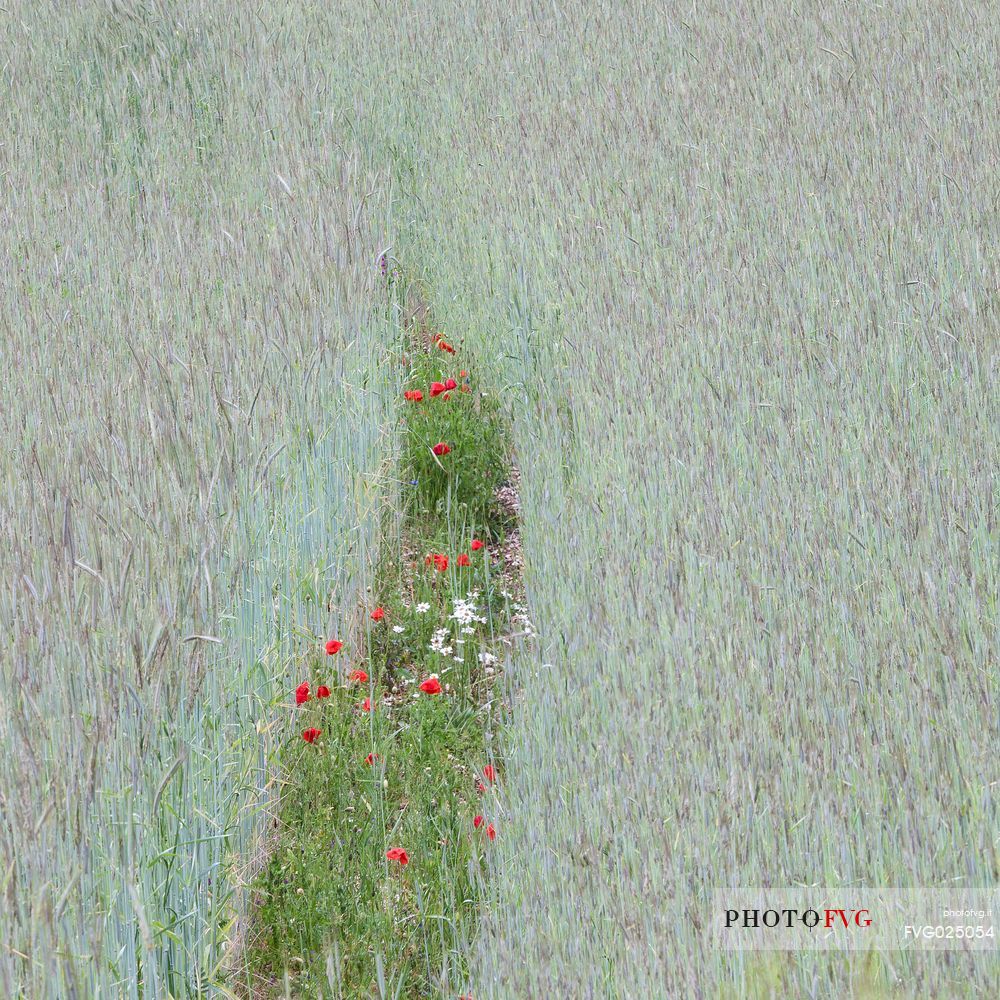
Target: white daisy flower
465 611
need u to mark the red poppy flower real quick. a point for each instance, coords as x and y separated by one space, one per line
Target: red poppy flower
440 563
478 822
445 346
310 735
360 676
463 559
437 388
366 705
378 614
489 773
465 387
431 686
371 758
398 854
463 374
440 449
322 691
334 646
480 787
476 544
446 396
450 384
490 832
302 694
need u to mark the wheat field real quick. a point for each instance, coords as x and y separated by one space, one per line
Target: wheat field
732 267
193 416
737 265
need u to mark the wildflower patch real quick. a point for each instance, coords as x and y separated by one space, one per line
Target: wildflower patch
389 805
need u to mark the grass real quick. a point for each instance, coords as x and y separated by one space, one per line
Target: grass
729 269
187 293
734 265
394 767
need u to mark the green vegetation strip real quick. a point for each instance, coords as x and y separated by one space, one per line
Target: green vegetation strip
389 806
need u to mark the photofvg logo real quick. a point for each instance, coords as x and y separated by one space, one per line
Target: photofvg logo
811 918
851 919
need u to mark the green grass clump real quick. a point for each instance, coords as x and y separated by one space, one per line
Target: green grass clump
329 889
461 484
